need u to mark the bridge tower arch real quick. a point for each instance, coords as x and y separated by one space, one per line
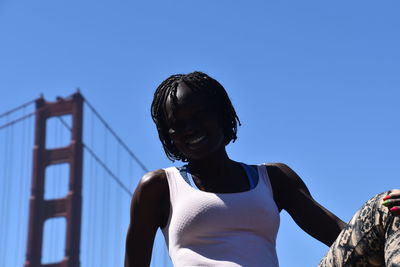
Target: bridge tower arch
70 206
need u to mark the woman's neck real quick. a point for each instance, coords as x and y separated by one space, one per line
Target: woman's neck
218 164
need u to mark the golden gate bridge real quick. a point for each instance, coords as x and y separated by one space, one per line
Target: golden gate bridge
66 180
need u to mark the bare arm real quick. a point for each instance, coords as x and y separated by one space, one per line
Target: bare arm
292 195
149 207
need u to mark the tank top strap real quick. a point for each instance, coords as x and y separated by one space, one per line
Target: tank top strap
173 182
263 172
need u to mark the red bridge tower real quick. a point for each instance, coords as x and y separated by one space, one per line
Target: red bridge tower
69 207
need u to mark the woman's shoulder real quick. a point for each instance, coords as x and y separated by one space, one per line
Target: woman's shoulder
277 165
153 192
153 182
277 171
285 176
284 182
281 171
151 198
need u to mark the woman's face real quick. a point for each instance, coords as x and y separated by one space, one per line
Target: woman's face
192 126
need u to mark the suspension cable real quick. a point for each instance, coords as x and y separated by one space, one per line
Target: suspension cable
17 120
107 170
91 152
17 108
122 143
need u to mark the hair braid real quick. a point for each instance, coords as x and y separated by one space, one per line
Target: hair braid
204 85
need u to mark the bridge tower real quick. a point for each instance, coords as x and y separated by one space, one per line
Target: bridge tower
70 206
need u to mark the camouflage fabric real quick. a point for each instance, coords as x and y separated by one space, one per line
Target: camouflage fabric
372 238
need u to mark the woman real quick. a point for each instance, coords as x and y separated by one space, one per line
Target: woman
214 211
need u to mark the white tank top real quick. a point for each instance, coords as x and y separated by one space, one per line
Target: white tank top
221 229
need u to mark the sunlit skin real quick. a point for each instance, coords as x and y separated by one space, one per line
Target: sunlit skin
196 131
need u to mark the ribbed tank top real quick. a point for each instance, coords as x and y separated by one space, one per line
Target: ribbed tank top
221 229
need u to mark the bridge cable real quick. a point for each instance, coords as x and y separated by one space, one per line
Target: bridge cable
105 207
99 161
17 120
90 219
17 108
20 189
116 136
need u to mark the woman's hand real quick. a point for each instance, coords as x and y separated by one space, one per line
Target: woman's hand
392 202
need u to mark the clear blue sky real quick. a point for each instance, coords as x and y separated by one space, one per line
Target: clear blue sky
315 83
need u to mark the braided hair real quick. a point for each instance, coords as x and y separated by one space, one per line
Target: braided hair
207 87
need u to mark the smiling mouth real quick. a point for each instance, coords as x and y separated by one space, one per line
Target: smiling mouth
195 140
